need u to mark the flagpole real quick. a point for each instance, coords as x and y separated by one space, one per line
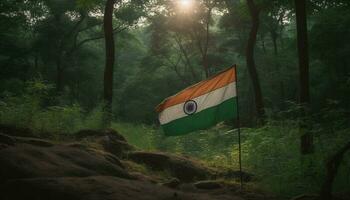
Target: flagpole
239 133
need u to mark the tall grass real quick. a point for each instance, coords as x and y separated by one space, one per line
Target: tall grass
29 110
271 153
144 137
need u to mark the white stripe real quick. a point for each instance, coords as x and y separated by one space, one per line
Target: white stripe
204 101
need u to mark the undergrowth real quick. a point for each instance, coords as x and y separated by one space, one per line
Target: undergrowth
36 110
271 152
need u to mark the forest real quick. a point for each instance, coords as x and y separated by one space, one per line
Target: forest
80 81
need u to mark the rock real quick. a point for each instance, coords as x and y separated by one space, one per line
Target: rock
173 183
16 131
187 187
185 169
78 145
28 161
235 175
109 139
98 133
91 169
34 141
114 134
3 146
96 188
5 139
143 177
208 185
11 140
112 158
113 145
306 197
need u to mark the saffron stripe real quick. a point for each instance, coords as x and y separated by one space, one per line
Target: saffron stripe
203 87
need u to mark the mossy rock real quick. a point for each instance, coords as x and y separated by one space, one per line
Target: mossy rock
185 169
29 161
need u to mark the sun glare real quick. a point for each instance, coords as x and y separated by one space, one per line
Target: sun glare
185 4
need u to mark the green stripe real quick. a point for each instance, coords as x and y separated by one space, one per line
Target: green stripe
202 120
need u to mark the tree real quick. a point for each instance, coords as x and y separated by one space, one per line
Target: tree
273 25
330 45
184 39
109 67
57 36
332 167
254 11
127 15
208 6
303 54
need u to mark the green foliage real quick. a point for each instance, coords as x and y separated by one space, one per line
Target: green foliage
330 44
271 152
20 110
129 13
28 110
140 135
58 119
86 3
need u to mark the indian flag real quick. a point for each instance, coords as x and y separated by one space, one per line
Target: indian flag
200 106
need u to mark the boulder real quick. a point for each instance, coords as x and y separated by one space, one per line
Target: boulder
12 140
145 178
173 183
97 133
13 130
97 188
208 185
108 156
109 140
29 161
34 141
235 174
306 197
5 139
185 169
113 145
91 169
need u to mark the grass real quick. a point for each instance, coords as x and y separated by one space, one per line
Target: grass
139 135
271 153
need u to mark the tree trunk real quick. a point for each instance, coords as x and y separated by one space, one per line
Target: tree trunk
259 104
274 41
206 65
303 53
61 50
274 37
36 63
108 73
283 95
59 75
58 58
332 170
187 58
205 56
263 43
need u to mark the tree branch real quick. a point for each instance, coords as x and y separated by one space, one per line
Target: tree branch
81 43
